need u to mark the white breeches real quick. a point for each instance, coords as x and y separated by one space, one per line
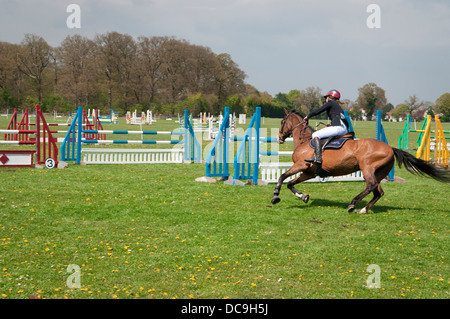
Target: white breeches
330 131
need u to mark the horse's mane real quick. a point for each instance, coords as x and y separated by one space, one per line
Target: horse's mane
294 111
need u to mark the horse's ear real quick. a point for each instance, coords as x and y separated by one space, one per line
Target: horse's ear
286 111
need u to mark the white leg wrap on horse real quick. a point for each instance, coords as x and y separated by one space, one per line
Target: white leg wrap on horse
362 211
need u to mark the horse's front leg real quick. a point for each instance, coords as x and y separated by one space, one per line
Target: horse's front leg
291 171
303 177
275 199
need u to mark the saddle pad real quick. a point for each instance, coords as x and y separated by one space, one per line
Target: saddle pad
335 143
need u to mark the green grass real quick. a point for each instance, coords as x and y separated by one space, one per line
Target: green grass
151 231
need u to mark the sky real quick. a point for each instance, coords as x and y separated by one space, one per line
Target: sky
401 46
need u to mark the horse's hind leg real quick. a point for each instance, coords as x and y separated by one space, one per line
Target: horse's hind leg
371 185
377 194
359 197
378 191
303 177
373 181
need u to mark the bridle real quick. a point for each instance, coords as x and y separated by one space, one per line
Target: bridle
286 135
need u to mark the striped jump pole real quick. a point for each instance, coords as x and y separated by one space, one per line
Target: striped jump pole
17 142
261 139
26 141
276 153
19 131
55 124
72 151
130 142
130 132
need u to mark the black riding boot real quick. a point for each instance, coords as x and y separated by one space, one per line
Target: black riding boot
317 158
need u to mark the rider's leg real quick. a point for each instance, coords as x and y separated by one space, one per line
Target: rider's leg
324 133
317 158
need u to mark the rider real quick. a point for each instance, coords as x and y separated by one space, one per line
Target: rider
339 125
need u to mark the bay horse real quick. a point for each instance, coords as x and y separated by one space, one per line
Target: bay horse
374 158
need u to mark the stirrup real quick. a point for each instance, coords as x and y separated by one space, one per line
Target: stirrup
321 172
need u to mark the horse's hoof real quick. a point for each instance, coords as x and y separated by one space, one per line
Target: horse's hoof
305 198
350 208
362 211
275 200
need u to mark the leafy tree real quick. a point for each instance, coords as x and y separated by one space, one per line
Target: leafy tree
282 100
310 99
371 98
295 99
414 105
400 111
7 100
53 102
443 106
229 78
234 102
385 109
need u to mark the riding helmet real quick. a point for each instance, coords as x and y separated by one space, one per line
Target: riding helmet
334 93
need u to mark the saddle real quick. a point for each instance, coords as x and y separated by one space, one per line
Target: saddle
334 142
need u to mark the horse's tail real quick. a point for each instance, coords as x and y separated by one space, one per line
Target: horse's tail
420 167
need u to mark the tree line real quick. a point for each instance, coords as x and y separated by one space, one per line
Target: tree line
160 73
117 71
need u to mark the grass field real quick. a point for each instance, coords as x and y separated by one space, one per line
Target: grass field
151 231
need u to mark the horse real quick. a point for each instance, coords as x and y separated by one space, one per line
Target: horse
372 157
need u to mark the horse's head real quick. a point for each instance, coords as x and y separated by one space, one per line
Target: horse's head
290 121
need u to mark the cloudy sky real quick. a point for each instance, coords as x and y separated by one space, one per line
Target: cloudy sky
280 44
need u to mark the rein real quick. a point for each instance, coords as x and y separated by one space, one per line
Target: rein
302 131
321 123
